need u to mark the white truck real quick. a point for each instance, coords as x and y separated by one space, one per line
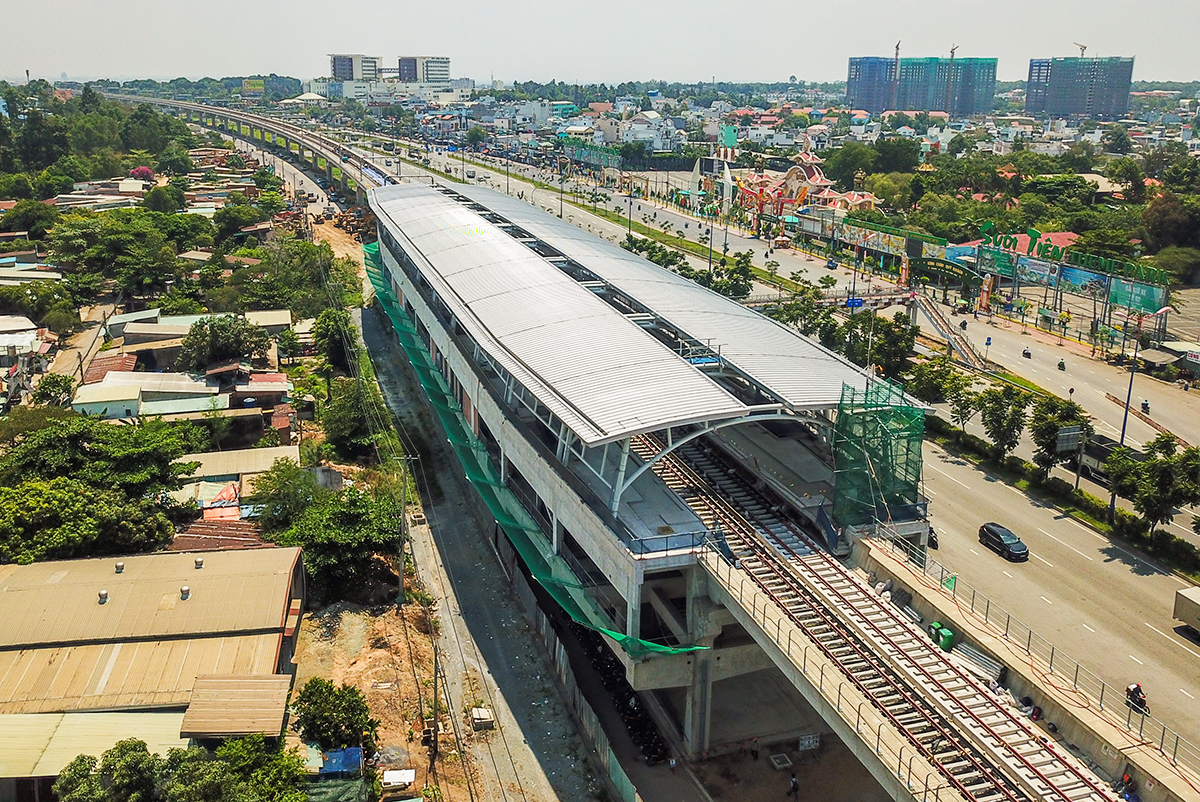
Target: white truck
1187 607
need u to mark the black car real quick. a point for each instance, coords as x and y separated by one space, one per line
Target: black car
1002 541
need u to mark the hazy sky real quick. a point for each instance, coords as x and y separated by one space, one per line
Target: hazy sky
610 41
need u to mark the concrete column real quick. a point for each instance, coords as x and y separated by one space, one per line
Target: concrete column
703 626
697 724
633 617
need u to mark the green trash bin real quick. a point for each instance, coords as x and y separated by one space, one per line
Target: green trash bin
946 639
934 629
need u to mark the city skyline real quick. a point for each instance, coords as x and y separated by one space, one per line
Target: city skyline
485 40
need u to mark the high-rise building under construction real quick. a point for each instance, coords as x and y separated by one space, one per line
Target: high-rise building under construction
1073 86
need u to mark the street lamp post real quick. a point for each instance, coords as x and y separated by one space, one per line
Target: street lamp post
630 234
1112 499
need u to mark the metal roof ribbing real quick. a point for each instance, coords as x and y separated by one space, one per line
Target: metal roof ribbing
799 372
597 371
57 603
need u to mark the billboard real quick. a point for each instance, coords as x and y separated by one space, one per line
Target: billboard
856 237
1083 282
1144 298
1037 272
253 86
996 262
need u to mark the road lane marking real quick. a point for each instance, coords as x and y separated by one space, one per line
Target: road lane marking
1043 559
1168 637
1068 545
1185 693
1047 601
1089 629
973 551
948 476
1134 659
1007 574
930 492
1089 531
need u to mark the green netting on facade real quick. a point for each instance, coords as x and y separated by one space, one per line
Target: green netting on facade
877 456
550 570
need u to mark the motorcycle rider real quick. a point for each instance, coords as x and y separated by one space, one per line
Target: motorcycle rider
1027 353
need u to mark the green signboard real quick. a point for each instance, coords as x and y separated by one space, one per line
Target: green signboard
996 262
1144 298
728 136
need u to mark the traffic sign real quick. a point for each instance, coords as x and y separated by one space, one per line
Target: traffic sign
854 302
989 341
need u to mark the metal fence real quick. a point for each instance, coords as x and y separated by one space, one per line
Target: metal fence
589 722
1108 696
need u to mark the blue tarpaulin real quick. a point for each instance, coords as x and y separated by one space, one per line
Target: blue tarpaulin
341 761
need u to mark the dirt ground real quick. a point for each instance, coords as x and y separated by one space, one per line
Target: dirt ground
830 774
344 244
387 654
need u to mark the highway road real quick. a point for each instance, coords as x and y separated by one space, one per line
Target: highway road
1096 601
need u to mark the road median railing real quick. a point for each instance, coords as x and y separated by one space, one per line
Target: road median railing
999 622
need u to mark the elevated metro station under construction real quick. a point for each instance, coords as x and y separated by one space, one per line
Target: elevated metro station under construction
681 474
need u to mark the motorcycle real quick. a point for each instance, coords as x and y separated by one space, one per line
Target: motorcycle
1062 365
1135 700
1145 407
1027 354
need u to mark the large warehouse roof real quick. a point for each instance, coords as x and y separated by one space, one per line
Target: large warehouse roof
585 361
57 603
799 372
593 367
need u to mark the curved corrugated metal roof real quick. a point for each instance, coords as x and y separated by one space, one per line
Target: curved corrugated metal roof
599 372
799 372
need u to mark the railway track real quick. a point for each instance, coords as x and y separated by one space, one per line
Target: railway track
983 749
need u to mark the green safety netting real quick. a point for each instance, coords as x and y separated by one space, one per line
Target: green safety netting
548 568
876 455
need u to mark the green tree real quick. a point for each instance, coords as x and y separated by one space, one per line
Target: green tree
29 215
348 415
54 389
1002 412
843 163
1166 480
174 160
964 403
334 716
137 460
90 133
1116 140
1051 413
234 161
270 772
166 199
1168 222
341 535
221 337
897 155
476 136
285 491
233 217
22 420
336 337
1128 173
872 340
129 772
936 380
271 203
287 344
